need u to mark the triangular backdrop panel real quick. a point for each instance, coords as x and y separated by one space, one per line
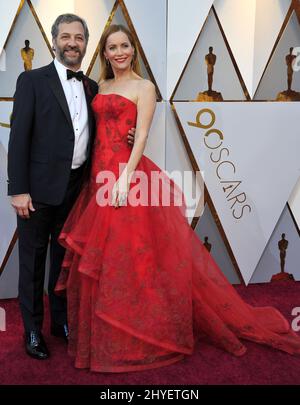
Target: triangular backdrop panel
274 79
9 10
225 79
118 18
5 113
26 28
146 15
10 277
48 11
7 213
294 203
270 263
183 16
206 227
96 16
238 22
156 144
246 194
270 15
245 24
178 159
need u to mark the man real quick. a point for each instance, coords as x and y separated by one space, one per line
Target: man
49 151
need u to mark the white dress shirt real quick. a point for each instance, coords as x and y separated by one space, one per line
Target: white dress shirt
76 100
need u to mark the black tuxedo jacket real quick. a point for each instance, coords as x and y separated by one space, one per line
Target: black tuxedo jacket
41 140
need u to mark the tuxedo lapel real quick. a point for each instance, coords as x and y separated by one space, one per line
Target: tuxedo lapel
58 91
89 97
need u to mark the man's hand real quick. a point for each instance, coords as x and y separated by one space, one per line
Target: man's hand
22 204
131 135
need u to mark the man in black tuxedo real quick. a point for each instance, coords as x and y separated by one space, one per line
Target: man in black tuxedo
48 158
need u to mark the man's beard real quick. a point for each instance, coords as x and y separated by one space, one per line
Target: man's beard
71 61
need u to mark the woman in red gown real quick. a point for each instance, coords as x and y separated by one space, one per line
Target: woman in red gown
138 279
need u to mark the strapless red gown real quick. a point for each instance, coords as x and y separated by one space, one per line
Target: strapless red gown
138 280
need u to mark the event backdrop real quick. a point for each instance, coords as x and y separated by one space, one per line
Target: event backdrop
227 74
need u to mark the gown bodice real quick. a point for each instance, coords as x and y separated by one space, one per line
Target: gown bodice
115 116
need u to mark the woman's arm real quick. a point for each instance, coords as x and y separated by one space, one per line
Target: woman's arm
145 110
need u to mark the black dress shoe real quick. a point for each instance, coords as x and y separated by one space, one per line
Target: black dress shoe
36 346
60 331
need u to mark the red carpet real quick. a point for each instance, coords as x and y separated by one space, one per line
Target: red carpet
208 365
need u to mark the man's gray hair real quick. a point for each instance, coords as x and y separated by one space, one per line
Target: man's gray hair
69 18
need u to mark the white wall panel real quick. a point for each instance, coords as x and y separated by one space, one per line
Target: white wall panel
5 112
245 24
7 213
9 279
48 11
177 159
274 80
9 10
156 145
270 263
194 79
270 15
185 20
207 227
96 14
149 18
251 152
25 28
118 18
294 202
238 22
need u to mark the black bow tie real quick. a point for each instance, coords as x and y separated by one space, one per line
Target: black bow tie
77 75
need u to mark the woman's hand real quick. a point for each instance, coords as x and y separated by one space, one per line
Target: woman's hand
120 190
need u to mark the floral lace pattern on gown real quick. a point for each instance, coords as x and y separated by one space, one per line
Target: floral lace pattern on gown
139 281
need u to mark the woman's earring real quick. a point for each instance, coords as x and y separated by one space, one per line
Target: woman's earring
107 62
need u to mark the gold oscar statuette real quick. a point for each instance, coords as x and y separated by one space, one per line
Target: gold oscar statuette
282 246
289 94
27 55
207 244
210 94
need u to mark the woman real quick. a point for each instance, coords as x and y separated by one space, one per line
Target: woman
137 277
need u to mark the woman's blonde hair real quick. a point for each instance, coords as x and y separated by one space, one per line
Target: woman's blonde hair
106 69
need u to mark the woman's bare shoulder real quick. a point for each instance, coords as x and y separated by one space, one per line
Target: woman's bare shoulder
146 85
103 84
